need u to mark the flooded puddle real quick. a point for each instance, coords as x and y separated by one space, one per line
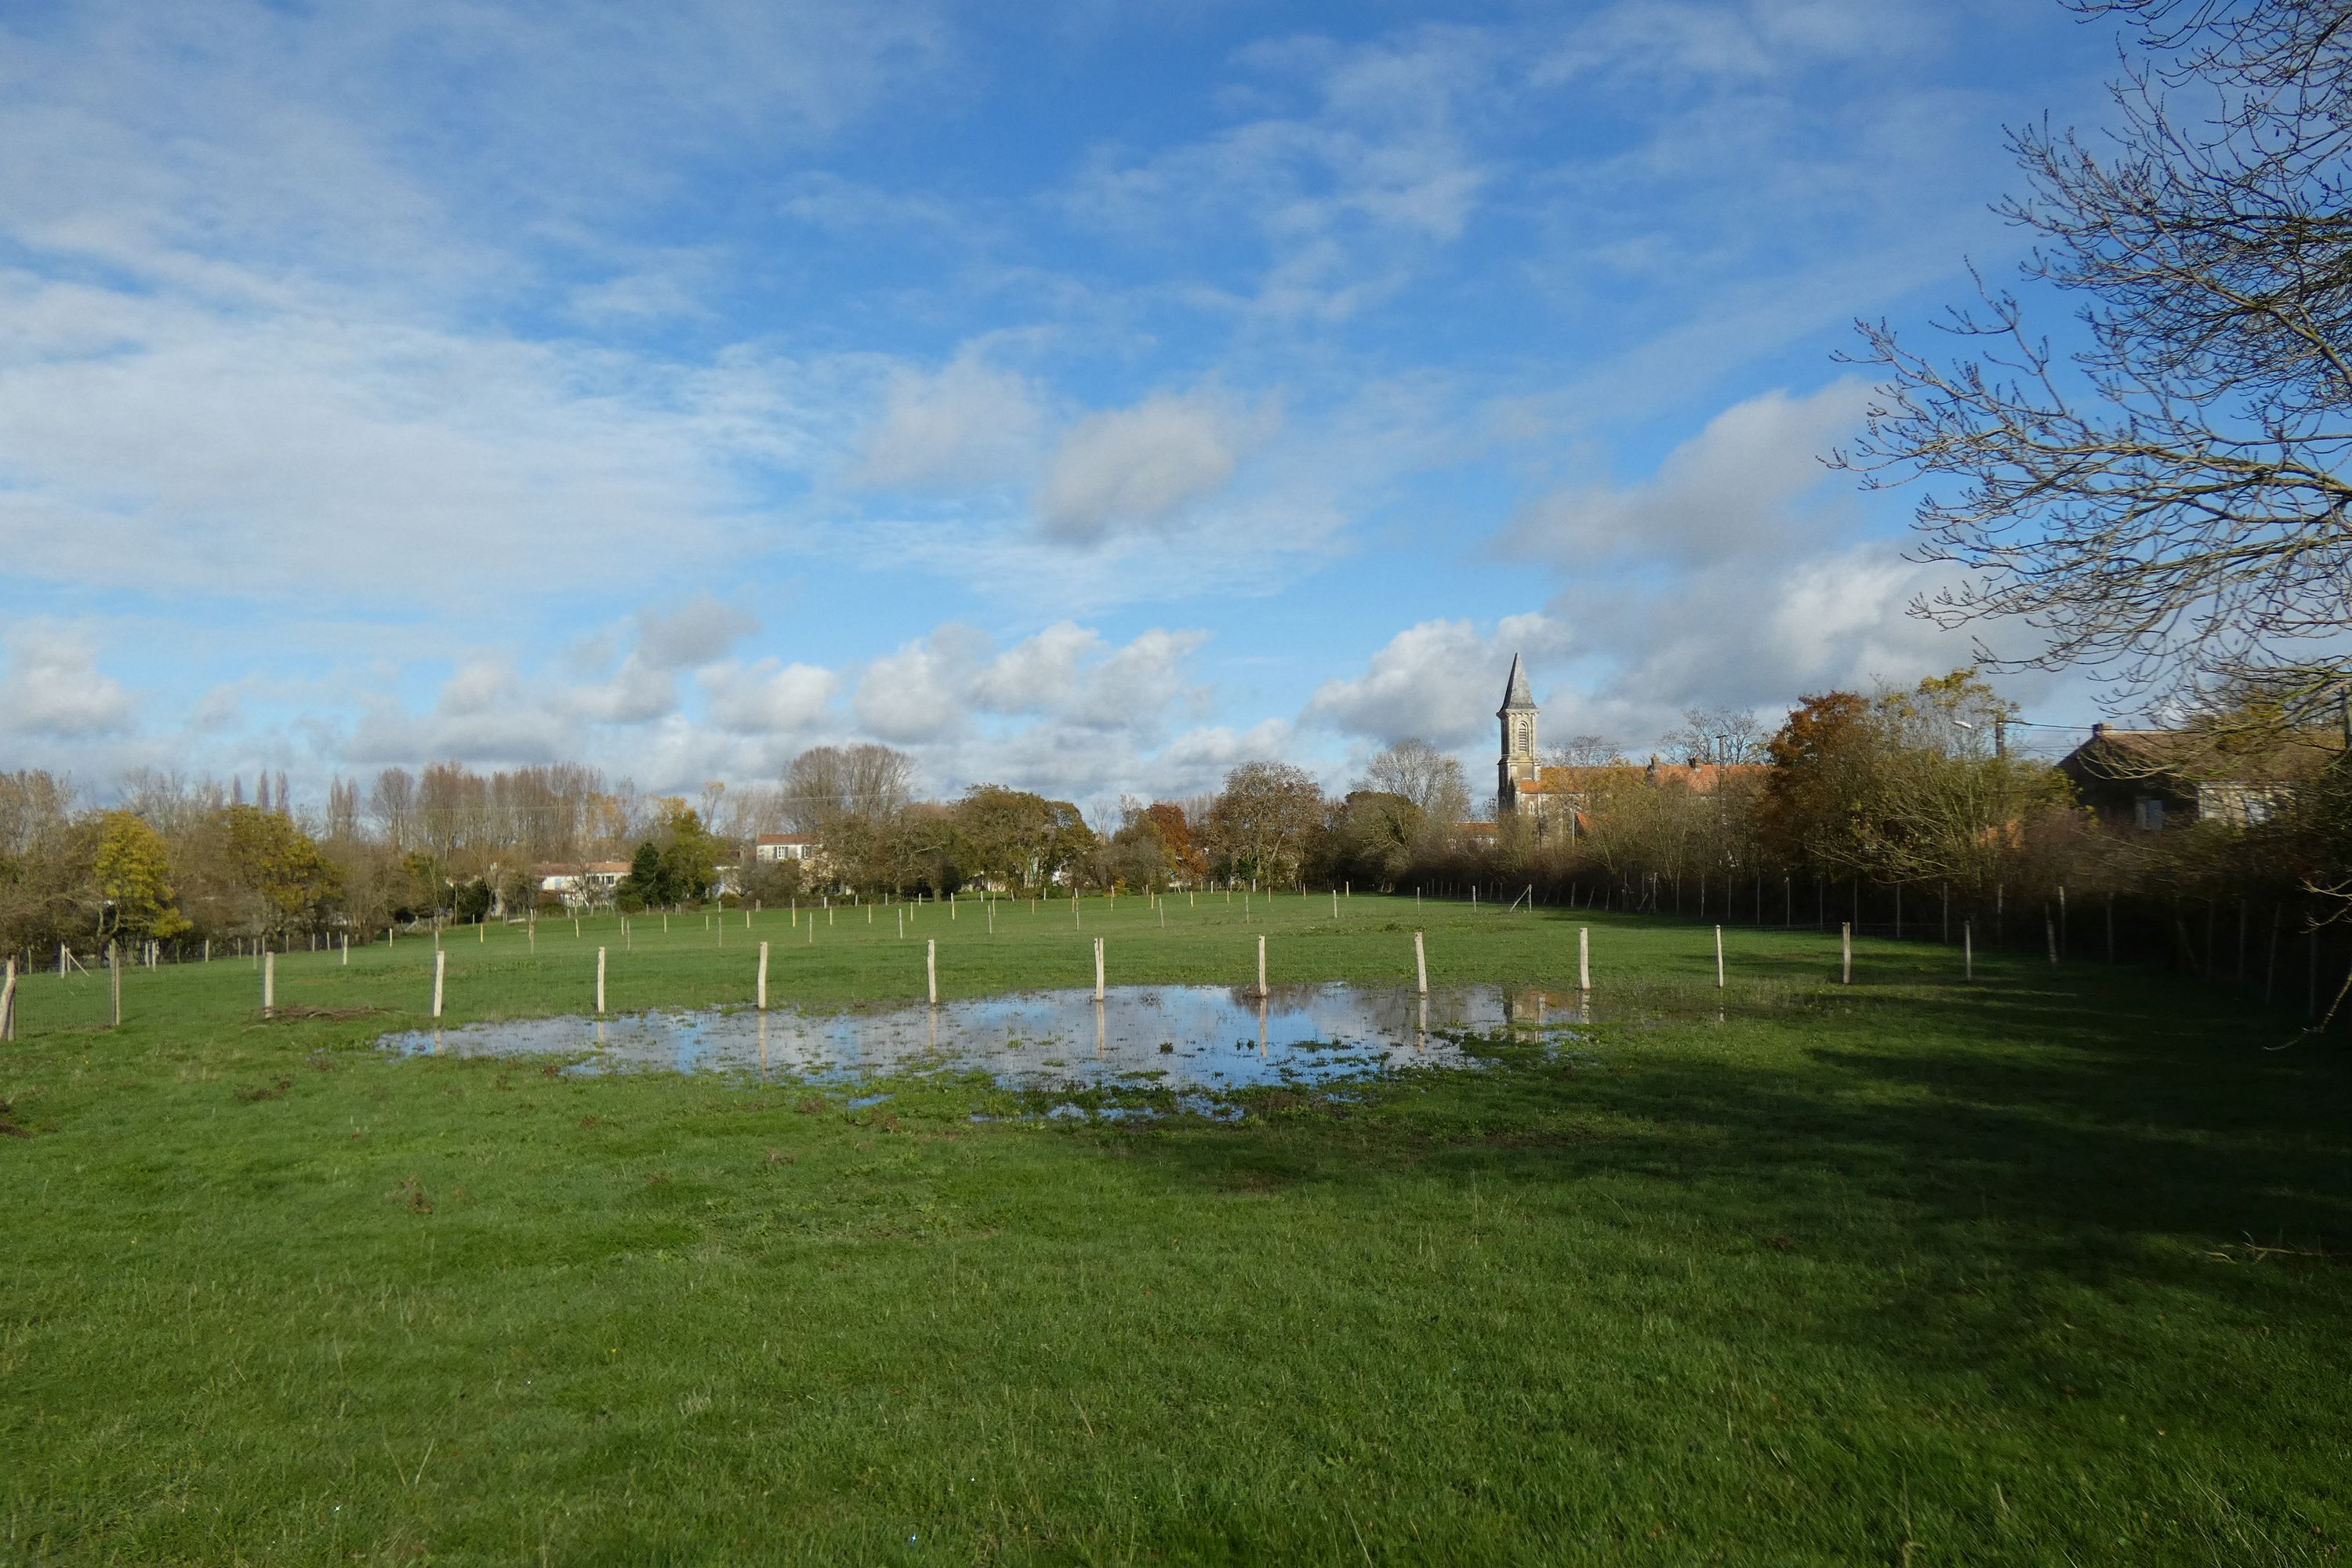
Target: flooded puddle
1178 1037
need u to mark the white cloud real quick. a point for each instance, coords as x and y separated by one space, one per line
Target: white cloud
917 693
1068 676
301 454
698 632
1650 41
1345 195
485 713
969 424
53 686
638 693
1733 633
669 285
302 135
767 697
1199 759
1137 466
1440 680
1728 489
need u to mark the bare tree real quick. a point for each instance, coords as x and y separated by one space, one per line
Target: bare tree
1716 735
824 783
1418 772
1584 751
2167 503
393 803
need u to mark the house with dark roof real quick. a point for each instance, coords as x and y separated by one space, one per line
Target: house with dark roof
2148 780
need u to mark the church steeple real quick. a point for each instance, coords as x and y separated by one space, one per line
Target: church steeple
1517 764
1514 692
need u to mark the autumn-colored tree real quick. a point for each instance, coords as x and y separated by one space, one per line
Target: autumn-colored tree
274 862
1185 861
130 868
1816 791
1261 825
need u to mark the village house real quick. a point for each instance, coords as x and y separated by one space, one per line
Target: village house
771 848
583 887
2150 780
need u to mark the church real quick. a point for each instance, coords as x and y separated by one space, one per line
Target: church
1554 796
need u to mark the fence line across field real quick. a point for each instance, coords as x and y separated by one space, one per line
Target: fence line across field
2256 947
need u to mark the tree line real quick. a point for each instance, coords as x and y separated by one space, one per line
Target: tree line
1898 793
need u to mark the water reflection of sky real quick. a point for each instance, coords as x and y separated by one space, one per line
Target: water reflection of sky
1184 1037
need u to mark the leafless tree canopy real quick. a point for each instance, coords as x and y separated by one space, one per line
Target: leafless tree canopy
1420 772
826 783
2167 502
1584 751
1716 735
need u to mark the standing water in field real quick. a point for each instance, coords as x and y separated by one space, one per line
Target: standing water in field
1179 1036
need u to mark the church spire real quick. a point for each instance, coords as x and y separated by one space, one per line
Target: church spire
1515 694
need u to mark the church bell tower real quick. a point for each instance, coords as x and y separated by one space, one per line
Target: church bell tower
1519 764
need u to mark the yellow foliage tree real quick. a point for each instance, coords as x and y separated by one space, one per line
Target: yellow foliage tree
133 868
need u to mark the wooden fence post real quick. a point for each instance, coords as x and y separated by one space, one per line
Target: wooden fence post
763 977
440 977
9 1004
1098 969
1718 958
599 981
1420 963
931 967
1967 950
1845 944
269 985
1261 966
1584 958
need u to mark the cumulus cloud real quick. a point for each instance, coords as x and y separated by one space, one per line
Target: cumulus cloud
1728 488
636 694
967 423
53 686
1734 634
698 632
1068 675
645 688
1198 759
485 712
1440 680
767 697
1137 465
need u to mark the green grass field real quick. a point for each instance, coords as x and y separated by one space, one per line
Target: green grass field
2050 1268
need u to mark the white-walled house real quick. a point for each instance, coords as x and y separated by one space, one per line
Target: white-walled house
583 887
774 846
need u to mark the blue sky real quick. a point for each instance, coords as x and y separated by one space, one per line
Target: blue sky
1082 396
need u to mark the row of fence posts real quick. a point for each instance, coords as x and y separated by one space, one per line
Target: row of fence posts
267 959
267 962
1101 957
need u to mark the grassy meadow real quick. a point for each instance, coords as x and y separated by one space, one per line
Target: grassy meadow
2047 1268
